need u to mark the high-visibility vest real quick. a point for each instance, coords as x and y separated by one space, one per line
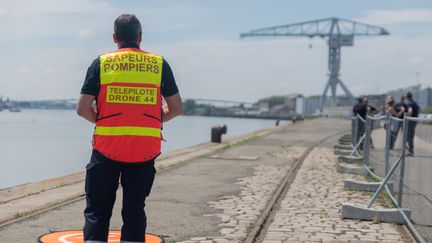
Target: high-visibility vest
128 125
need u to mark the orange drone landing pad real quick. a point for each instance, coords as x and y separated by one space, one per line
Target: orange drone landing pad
76 236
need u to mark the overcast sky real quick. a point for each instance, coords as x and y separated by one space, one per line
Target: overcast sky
47 45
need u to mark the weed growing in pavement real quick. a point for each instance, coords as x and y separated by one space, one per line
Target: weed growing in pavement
323 213
249 227
376 219
20 214
364 227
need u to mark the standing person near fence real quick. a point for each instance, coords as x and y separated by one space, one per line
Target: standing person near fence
413 110
370 110
360 108
128 85
398 112
390 106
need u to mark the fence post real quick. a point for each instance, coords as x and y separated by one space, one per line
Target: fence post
366 145
355 131
402 166
387 144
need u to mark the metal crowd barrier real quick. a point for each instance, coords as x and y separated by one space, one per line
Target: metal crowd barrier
358 134
384 143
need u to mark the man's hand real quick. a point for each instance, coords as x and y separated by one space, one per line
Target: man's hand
172 108
85 108
410 111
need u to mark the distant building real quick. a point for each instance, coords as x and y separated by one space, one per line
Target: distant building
423 96
263 107
311 105
280 109
46 104
294 102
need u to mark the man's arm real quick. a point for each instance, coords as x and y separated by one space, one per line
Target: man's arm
85 107
172 108
410 111
402 110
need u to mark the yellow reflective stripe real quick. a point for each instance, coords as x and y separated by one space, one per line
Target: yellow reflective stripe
128 131
131 67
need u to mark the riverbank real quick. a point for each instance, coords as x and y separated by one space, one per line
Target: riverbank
23 201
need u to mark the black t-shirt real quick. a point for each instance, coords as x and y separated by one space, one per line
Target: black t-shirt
398 108
91 84
361 109
414 106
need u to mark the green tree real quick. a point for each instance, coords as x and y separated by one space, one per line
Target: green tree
189 107
428 110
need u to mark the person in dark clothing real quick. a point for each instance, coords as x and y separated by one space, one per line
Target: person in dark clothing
360 108
401 108
370 110
398 111
413 110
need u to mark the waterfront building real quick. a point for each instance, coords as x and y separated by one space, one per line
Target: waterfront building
423 96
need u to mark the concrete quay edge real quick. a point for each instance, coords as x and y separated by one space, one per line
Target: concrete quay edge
26 200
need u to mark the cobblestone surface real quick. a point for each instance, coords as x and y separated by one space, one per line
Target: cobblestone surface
310 212
239 213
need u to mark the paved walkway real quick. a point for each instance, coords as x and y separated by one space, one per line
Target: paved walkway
310 211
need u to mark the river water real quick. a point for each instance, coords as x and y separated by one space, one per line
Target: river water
41 144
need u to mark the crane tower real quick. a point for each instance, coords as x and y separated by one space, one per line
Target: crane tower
339 32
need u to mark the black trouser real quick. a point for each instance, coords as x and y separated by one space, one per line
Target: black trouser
102 180
411 134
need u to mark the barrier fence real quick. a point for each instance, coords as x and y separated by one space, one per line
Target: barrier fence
389 157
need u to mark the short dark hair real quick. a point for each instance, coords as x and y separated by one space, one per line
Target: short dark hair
408 95
127 27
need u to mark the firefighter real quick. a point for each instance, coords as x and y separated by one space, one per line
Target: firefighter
128 85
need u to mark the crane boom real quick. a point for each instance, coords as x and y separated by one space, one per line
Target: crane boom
322 28
340 32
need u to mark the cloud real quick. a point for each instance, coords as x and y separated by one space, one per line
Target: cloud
3 12
86 34
415 60
397 16
57 7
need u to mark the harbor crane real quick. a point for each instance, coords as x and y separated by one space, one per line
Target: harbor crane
339 32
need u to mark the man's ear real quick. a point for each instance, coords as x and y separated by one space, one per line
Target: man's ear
115 39
139 37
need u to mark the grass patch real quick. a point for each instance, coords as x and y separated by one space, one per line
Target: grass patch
249 227
21 214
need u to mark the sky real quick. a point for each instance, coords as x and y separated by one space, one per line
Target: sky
47 45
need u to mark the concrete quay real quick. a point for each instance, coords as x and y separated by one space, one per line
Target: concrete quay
197 198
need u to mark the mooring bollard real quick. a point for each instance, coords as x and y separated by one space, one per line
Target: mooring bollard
216 133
